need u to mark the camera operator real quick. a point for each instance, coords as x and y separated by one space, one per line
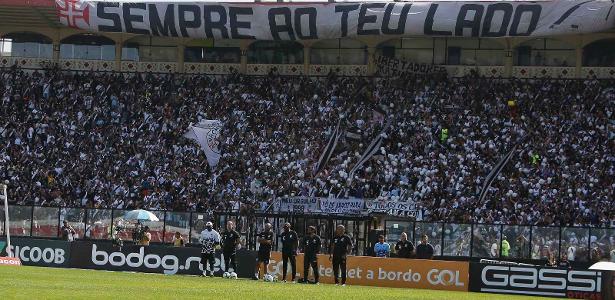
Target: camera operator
137 234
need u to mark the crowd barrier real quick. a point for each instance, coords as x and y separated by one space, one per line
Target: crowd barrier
103 255
527 242
362 270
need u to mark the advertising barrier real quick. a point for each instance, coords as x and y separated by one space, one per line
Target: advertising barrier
39 252
388 272
153 259
9 261
536 281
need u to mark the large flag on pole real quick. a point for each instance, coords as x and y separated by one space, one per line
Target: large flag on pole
329 149
207 133
494 173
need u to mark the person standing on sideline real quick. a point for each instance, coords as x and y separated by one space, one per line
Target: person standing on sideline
68 233
342 245
265 239
210 240
382 249
424 250
146 236
178 240
505 248
230 242
404 247
290 243
311 247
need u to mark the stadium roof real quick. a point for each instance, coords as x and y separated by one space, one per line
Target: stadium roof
28 13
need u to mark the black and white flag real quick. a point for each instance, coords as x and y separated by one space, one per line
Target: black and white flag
372 149
494 173
328 151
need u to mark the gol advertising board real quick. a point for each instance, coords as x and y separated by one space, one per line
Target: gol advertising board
388 272
537 281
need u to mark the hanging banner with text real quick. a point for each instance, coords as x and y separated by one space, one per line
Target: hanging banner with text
341 206
388 66
297 204
387 272
394 208
209 19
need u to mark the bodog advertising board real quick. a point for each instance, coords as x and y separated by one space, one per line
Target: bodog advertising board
388 272
152 259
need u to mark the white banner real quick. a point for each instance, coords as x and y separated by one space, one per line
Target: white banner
311 21
394 208
207 134
341 206
297 204
388 66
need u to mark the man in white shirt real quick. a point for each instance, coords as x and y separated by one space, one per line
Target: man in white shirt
571 251
494 250
210 241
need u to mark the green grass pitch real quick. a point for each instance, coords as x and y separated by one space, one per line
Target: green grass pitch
51 283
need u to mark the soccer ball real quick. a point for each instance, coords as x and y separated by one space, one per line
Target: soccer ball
233 275
226 275
268 278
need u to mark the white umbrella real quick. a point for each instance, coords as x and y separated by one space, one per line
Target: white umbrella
140 215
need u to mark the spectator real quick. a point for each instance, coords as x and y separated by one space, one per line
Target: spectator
146 237
505 247
404 247
104 140
67 231
382 249
178 240
564 262
424 250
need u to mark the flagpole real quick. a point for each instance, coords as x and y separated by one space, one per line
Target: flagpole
6 219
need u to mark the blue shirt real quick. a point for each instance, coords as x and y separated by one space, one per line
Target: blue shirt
382 249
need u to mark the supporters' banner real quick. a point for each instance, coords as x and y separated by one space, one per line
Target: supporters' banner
207 134
388 66
394 208
297 204
310 21
387 272
341 206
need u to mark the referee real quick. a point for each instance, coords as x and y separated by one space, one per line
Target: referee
342 245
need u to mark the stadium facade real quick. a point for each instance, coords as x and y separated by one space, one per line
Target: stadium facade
32 36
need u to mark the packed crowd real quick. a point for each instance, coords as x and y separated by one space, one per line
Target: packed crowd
116 140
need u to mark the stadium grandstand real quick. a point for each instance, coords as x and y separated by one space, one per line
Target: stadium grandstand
469 122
